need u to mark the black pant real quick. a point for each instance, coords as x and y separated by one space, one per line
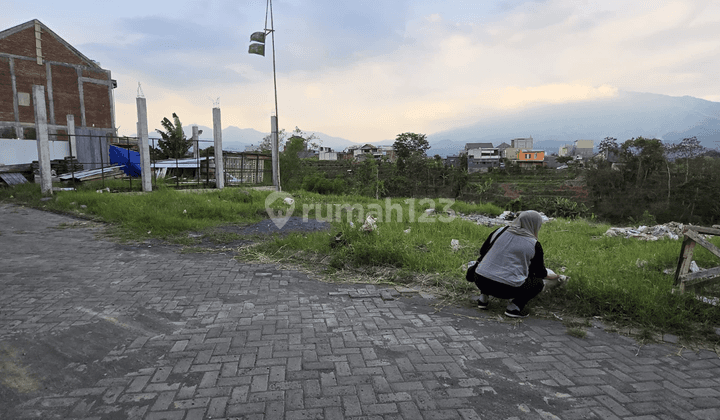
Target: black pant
520 295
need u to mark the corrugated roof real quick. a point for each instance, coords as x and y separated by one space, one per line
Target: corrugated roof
13 178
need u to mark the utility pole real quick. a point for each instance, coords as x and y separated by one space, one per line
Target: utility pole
259 48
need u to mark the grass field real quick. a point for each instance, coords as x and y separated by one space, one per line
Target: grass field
618 279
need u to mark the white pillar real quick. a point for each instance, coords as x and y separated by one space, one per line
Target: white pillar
43 144
71 134
217 136
196 142
144 144
275 153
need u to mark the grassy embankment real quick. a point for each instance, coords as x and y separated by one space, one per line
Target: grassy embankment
614 278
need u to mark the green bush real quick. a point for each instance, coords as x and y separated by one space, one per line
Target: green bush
319 183
561 207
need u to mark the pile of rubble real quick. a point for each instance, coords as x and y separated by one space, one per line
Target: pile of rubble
672 230
502 220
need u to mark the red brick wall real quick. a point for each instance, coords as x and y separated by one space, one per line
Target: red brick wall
6 98
66 99
53 50
20 43
97 105
27 74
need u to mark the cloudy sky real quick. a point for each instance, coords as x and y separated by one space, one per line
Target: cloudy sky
366 70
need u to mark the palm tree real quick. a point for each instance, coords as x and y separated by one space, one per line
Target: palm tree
174 144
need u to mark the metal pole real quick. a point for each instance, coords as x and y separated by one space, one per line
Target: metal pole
275 153
276 170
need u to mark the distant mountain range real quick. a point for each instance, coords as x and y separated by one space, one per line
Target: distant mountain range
624 116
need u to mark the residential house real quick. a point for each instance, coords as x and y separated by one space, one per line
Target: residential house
481 157
32 54
523 143
551 162
531 158
502 147
327 153
378 152
583 149
453 161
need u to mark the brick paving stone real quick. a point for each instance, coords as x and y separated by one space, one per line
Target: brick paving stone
190 336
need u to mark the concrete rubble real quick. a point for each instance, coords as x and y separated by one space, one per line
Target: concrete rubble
503 219
672 230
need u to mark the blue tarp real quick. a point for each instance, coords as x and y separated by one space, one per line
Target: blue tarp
129 160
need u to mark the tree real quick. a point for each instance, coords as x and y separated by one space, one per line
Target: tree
408 144
173 144
266 145
642 157
291 169
689 148
311 141
608 144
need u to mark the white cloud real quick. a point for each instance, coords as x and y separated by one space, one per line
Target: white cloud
425 66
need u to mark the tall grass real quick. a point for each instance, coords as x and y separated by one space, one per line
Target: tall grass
163 213
616 278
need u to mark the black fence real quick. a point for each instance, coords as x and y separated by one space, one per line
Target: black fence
114 163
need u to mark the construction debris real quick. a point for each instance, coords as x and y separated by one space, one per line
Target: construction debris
503 219
671 230
94 174
13 178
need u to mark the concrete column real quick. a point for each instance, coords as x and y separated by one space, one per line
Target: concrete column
71 134
144 144
43 143
275 153
217 136
196 142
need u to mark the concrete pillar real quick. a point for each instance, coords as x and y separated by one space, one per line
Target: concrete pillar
275 153
43 143
217 136
71 134
196 142
144 144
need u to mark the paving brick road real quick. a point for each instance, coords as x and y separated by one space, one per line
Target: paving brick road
91 329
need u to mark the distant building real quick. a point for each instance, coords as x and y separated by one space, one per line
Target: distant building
531 158
583 148
453 161
525 143
551 162
378 152
481 157
565 150
502 147
327 153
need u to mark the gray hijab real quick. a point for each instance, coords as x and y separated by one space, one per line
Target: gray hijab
527 224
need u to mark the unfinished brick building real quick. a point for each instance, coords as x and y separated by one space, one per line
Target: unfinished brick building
32 54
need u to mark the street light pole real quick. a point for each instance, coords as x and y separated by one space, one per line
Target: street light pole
259 49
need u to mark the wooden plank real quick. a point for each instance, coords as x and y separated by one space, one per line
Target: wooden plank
683 265
702 241
693 279
705 230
